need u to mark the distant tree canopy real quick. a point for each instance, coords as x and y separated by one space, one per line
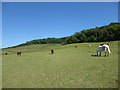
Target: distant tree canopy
109 32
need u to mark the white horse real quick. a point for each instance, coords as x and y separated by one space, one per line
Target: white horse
105 48
89 45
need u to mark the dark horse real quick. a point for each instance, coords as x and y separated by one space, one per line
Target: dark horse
76 46
6 53
19 53
51 51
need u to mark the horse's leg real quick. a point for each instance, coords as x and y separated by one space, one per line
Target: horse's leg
105 51
97 53
100 53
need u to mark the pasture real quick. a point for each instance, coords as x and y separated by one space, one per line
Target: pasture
68 67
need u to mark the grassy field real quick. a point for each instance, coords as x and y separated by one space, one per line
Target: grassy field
0 70
69 67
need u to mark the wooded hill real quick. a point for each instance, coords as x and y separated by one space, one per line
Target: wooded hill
109 32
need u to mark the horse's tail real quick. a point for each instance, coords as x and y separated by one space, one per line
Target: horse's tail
108 50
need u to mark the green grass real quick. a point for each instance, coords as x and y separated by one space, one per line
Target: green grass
0 70
69 67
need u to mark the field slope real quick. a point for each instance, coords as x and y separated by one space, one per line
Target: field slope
69 67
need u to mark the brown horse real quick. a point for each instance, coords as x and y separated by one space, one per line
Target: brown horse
76 46
19 53
51 51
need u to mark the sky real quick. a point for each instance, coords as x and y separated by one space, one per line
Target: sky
25 21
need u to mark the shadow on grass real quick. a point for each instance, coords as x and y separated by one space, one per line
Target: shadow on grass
98 56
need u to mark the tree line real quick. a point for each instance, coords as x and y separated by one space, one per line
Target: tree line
109 32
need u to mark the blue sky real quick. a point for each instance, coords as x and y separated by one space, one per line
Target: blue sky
25 21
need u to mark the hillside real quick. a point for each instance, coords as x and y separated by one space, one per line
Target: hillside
109 32
68 67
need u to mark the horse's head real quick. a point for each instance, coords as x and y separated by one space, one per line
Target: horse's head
108 44
101 44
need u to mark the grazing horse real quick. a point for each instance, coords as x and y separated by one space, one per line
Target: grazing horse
6 53
105 48
51 51
76 46
19 53
89 45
